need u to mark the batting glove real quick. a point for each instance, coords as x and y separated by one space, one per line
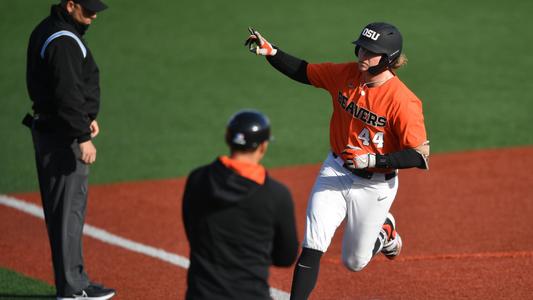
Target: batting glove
258 45
357 158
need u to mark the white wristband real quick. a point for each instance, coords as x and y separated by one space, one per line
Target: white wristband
371 160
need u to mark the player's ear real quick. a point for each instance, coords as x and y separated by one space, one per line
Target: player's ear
263 147
69 5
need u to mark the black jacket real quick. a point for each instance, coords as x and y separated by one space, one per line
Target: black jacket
236 229
62 76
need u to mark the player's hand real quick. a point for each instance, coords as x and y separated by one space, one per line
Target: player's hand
258 44
94 129
88 152
357 158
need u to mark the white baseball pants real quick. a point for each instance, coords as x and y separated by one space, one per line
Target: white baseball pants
337 194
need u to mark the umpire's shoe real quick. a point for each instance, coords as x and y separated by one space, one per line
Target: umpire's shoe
393 242
92 292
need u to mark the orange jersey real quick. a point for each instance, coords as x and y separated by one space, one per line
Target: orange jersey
381 119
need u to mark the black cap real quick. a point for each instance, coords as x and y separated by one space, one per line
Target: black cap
247 129
92 5
381 38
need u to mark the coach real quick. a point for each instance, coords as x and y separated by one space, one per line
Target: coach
238 219
63 83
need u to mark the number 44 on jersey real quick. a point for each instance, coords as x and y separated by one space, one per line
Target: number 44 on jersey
365 138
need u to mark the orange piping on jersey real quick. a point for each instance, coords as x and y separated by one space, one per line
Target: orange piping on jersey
254 172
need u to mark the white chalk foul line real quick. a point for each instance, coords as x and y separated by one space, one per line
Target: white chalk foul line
113 239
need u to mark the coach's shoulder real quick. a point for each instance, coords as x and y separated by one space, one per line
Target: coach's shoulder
278 187
200 171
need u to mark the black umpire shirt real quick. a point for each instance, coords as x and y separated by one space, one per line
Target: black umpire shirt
236 229
62 76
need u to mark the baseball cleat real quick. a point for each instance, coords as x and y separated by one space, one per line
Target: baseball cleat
92 292
393 243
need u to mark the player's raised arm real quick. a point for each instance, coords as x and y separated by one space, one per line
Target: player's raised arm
287 64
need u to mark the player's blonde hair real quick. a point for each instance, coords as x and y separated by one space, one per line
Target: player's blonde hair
400 62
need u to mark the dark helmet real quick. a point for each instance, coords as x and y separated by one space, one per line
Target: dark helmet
381 38
247 129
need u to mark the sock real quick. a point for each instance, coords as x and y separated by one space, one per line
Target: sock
380 242
305 274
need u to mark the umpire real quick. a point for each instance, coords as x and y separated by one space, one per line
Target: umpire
62 80
238 220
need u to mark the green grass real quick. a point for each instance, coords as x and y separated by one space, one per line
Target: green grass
174 71
17 286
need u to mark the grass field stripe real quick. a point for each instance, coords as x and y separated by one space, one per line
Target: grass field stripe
103 235
133 246
23 206
113 239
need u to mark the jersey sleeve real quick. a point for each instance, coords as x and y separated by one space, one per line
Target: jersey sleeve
65 61
321 75
409 124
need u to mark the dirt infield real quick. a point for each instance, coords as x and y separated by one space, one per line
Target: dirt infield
466 226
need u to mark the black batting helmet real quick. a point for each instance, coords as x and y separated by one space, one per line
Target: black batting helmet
381 38
247 129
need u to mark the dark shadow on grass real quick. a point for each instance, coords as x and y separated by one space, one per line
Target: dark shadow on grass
25 297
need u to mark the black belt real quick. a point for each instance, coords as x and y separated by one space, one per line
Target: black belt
364 173
41 122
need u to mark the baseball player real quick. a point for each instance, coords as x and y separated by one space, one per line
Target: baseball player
376 128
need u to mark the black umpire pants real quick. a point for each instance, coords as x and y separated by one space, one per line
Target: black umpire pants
63 183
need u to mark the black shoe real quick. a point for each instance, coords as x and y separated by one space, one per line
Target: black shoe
93 292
